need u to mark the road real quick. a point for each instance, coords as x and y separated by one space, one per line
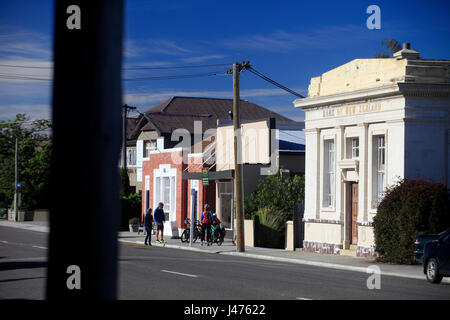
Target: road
162 273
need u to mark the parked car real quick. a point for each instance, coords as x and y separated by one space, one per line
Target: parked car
436 258
421 239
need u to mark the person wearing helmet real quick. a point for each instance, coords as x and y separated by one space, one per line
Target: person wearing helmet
206 220
217 225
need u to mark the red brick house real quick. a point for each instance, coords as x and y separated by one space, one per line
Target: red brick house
176 141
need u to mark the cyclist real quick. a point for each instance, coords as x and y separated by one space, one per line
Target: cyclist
206 220
217 226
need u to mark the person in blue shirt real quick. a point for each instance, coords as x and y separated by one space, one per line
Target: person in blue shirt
160 218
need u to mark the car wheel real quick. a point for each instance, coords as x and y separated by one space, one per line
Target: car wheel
432 271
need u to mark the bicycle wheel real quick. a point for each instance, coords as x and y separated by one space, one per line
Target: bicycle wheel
185 236
197 235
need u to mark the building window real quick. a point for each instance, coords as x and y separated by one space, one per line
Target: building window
226 204
165 192
352 148
131 157
355 147
149 145
329 173
378 169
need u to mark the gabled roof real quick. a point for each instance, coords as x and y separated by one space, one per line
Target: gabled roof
181 112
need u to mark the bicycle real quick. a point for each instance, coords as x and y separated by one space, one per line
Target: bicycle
217 235
186 235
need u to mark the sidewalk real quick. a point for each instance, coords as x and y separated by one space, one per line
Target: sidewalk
227 248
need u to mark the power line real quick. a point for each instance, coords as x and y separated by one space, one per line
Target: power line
184 76
252 70
22 66
177 67
215 73
130 68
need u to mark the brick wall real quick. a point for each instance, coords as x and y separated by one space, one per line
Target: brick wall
148 168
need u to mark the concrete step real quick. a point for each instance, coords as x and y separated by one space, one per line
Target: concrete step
348 253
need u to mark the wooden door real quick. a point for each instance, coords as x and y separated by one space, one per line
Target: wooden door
354 213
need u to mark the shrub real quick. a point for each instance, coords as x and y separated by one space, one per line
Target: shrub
276 192
270 225
130 208
409 207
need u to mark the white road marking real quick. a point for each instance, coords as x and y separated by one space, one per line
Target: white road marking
40 247
3 241
300 298
181 274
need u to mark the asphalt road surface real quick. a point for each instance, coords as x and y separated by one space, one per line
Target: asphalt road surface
156 273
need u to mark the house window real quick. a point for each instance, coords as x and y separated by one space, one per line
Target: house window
165 192
149 145
378 169
131 157
355 147
329 173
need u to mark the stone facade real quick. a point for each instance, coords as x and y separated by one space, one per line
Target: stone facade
368 124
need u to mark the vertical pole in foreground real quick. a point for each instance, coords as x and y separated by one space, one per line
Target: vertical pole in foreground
240 247
84 210
124 137
192 216
16 174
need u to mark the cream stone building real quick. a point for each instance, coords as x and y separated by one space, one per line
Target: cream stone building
369 123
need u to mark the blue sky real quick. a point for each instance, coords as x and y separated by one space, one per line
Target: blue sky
289 41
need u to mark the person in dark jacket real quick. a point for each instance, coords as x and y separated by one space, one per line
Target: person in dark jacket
160 218
148 221
206 220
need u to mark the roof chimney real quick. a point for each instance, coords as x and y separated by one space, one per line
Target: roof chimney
406 53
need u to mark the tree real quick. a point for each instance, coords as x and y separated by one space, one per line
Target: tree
130 201
34 150
277 193
389 47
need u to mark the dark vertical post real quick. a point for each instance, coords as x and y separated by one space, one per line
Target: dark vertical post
84 211
124 136
16 181
240 244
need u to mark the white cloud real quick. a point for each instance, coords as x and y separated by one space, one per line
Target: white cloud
26 44
280 40
203 58
34 111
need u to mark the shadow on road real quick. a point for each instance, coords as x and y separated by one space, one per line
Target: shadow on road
21 279
22 265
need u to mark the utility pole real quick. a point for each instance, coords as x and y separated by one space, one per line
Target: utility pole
16 174
124 134
238 194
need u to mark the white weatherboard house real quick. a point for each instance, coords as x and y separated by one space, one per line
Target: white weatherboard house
369 123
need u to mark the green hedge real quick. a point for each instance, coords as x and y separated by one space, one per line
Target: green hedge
409 207
276 192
